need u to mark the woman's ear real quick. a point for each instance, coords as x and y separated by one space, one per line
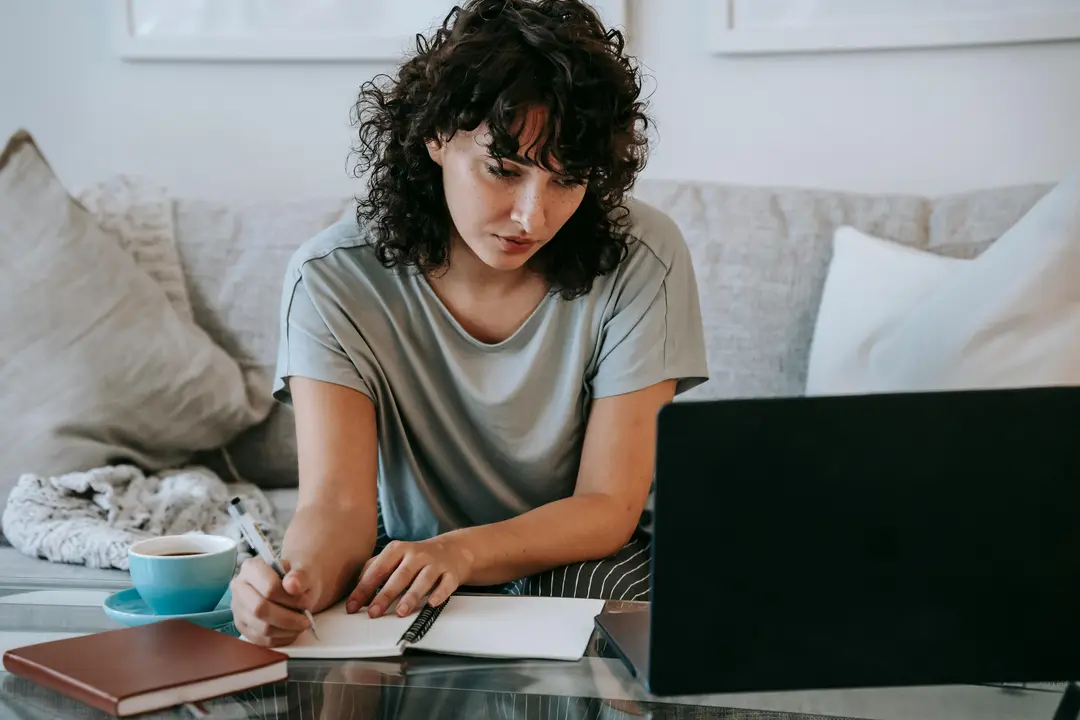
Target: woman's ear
435 151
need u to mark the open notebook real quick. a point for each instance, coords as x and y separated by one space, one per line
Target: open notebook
491 626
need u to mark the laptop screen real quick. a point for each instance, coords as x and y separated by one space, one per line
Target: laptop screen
869 540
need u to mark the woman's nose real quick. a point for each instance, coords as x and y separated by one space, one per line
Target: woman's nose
528 211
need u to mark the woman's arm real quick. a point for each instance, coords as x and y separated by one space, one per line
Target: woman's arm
333 530
613 484
614 478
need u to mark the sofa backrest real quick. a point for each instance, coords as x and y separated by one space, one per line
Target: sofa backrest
760 254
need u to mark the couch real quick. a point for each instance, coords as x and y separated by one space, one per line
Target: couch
761 256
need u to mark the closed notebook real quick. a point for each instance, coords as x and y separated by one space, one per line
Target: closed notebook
489 626
140 669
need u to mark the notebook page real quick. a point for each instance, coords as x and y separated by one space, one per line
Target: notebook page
507 626
350 636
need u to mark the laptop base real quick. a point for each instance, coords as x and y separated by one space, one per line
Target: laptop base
628 635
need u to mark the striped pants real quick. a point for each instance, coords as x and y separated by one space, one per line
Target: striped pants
623 576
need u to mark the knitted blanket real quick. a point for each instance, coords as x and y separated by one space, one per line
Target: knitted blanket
92 518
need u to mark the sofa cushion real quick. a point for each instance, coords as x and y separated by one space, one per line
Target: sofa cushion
964 225
140 216
96 365
234 257
762 254
18 569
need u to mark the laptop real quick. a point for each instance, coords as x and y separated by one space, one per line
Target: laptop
859 541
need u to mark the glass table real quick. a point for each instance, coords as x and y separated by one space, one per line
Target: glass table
430 686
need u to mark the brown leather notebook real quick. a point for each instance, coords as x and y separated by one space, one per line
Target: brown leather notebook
149 667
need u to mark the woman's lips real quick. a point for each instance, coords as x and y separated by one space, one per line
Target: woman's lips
513 244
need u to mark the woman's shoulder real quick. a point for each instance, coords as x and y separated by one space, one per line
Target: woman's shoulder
656 243
345 240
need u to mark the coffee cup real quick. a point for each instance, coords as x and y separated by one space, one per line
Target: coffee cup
181 574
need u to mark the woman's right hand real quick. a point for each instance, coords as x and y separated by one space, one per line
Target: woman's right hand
322 555
263 610
332 533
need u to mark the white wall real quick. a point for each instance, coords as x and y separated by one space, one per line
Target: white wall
918 121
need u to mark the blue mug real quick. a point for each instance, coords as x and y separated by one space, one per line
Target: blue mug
181 574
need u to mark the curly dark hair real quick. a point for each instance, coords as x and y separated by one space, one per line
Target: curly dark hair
488 62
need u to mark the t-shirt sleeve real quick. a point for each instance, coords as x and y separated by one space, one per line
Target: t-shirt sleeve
308 347
655 332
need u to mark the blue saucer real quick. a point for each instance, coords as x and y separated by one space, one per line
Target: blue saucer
128 608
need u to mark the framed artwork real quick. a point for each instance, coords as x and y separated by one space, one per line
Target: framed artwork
283 30
740 27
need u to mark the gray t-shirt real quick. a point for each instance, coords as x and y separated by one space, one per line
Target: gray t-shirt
472 433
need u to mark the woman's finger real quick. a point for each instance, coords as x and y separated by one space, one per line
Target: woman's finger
376 571
368 564
255 607
266 582
261 634
448 583
253 628
420 587
398 583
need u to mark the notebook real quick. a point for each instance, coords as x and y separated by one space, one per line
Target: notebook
487 626
149 667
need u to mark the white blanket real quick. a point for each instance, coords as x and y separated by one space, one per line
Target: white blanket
92 518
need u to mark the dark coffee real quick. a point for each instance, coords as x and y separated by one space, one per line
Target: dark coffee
182 552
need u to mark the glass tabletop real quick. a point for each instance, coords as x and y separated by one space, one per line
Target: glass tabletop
435 686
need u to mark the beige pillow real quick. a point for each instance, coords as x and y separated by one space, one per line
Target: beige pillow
139 214
96 365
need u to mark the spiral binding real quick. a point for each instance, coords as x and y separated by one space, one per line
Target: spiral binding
423 622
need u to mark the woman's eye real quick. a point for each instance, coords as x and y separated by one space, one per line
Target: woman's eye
499 172
572 182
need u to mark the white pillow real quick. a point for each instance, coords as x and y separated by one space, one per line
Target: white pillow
871 285
896 319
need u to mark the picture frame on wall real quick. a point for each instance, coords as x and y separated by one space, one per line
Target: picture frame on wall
752 27
283 30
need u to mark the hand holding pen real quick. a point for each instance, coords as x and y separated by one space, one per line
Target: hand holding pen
261 546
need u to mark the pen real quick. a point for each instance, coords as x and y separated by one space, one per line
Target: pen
259 543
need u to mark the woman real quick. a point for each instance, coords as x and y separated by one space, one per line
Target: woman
477 360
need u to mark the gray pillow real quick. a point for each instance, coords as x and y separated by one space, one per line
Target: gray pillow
96 365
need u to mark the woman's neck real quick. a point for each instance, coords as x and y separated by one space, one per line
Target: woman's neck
489 304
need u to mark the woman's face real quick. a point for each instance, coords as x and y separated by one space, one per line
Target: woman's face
504 212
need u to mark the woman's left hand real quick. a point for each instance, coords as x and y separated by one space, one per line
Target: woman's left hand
409 571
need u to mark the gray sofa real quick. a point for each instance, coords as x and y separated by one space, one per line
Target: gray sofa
761 256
